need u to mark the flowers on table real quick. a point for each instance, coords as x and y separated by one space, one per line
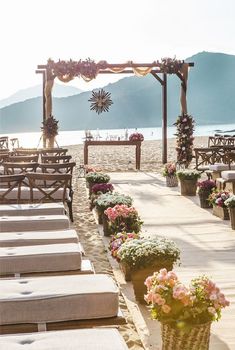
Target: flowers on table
136 137
118 239
143 252
180 306
123 218
218 198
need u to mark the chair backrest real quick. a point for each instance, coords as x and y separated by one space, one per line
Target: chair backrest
25 151
4 142
230 158
4 156
7 184
19 168
58 168
59 192
25 159
55 159
208 155
53 151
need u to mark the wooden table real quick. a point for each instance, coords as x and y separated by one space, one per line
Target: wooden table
137 145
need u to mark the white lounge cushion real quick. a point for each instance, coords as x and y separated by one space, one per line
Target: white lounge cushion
37 195
37 223
228 175
32 209
17 239
80 339
220 166
57 298
40 258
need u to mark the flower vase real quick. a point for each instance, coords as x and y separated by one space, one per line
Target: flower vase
188 187
138 277
203 196
221 212
171 181
195 338
232 217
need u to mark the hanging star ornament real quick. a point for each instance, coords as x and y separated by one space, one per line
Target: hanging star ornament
100 101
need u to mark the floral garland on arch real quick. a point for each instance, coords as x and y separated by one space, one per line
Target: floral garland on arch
184 143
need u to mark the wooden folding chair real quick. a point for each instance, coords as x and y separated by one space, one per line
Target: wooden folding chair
51 188
8 184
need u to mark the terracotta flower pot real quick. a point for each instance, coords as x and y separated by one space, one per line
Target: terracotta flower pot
138 277
126 271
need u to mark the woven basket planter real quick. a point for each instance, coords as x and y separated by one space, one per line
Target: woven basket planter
197 338
138 278
203 196
221 212
232 217
171 181
188 187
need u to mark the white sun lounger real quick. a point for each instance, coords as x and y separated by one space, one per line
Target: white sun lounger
37 223
80 339
17 239
43 260
58 302
32 209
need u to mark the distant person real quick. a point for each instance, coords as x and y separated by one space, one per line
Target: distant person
126 134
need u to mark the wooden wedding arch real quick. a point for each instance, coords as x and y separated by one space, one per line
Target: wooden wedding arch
65 71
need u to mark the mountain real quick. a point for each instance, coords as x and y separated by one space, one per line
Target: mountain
137 102
36 91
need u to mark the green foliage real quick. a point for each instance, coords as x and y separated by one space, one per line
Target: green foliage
94 177
108 199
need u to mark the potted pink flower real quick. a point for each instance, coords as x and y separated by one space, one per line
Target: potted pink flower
169 171
121 218
185 313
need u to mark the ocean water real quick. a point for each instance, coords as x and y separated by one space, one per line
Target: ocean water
65 138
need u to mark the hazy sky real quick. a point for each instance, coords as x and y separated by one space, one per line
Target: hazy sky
115 31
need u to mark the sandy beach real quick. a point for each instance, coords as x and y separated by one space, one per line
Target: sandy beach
118 159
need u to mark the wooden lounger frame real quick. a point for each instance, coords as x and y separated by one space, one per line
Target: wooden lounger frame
64 325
